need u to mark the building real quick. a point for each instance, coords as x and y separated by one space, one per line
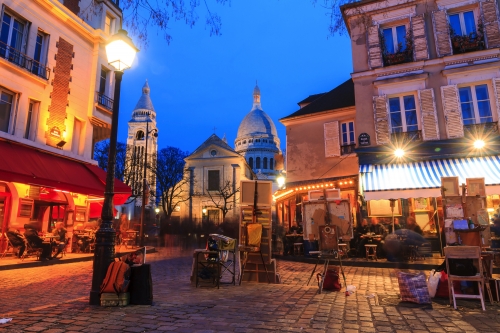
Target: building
258 142
55 85
142 127
426 79
215 171
320 142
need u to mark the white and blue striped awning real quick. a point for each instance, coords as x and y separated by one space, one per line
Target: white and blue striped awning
423 179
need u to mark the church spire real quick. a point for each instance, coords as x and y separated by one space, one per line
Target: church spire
256 97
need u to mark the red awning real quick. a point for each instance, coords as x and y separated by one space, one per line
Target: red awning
120 187
23 164
95 210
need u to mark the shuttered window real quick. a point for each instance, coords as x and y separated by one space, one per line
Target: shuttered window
331 131
421 50
475 104
441 33
430 129
374 49
490 18
381 118
452 112
347 133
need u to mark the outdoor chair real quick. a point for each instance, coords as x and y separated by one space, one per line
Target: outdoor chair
465 252
31 251
7 248
253 233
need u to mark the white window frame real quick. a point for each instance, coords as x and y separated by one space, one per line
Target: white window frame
342 143
402 109
109 30
12 106
32 121
460 12
393 25
44 49
491 95
24 33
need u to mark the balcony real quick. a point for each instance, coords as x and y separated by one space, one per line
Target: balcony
464 44
398 57
482 128
104 101
347 149
402 137
23 61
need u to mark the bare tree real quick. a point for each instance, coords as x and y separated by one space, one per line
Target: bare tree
101 153
222 198
171 178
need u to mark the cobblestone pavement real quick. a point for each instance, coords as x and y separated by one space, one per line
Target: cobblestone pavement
54 299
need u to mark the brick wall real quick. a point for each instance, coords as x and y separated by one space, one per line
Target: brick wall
60 90
73 5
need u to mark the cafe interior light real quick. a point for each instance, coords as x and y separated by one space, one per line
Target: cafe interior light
399 152
478 144
204 210
121 51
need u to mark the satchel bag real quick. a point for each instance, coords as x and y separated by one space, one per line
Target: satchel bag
331 281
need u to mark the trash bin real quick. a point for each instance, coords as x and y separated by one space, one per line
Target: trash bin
141 285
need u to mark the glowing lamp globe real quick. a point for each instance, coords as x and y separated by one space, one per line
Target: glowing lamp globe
281 181
399 152
478 144
120 51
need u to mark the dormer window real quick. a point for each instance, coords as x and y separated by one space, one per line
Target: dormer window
139 135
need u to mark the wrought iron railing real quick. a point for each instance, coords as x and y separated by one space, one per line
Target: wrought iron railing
23 61
104 101
347 149
406 136
483 128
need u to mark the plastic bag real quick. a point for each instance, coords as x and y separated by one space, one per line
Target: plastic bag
432 282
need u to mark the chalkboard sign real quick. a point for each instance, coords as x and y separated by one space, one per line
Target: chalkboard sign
363 139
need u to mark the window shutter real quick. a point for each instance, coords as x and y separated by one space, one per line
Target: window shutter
430 130
374 49
332 146
452 112
489 14
496 88
420 49
382 131
441 33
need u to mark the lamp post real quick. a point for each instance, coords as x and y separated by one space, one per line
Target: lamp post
120 51
153 132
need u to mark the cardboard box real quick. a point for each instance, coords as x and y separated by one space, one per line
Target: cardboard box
112 299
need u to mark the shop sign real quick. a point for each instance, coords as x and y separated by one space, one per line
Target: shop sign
54 131
363 139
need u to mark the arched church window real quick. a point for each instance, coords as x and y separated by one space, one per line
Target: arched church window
139 135
265 163
257 163
250 162
271 163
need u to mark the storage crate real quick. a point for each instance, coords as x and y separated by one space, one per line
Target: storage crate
112 299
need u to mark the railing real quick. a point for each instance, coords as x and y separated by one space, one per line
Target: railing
483 128
104 101
347 149
397 58
464 44
406 136
23 61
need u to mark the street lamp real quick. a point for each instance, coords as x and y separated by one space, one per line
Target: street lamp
120 51
154 133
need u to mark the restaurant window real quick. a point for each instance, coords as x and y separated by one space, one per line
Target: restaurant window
213 180
394 39
31 120
6 100
403 114
257 163
462 24
347 129
475 104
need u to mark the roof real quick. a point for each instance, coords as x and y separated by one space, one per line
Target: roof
213 140
340 97
310 98
145 102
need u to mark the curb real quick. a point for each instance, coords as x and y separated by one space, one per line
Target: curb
90 257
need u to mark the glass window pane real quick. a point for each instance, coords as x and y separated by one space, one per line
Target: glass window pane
344 137
4 36
481 92
351 137
351 126
467 113
409 102
470 26
465 94
396 120
5 108
394 104
455 24
484 110
389 42
401 33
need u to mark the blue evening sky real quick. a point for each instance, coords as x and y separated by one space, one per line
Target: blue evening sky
200 82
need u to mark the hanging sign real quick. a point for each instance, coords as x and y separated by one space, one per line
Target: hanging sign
363 139
54 131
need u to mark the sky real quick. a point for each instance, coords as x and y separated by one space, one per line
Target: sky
202 84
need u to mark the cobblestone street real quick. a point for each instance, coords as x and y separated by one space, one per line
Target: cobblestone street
54 299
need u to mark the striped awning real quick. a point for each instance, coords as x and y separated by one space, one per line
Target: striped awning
423 179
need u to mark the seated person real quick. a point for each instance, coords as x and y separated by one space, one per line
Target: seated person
36 241
17 240
397 225
361 230
412 225
376 229
60 241
289 238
